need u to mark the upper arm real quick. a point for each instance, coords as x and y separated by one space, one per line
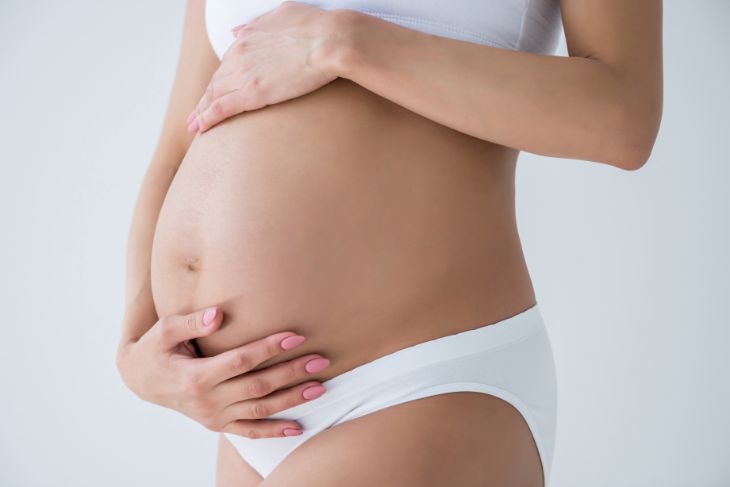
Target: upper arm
627 36
196 64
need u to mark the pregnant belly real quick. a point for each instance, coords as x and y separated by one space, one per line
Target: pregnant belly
344 217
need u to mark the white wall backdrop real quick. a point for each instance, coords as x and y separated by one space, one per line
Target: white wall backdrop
631 268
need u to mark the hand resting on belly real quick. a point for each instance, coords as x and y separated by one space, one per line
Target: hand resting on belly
223 392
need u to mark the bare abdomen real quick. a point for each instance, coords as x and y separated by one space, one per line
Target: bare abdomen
346 218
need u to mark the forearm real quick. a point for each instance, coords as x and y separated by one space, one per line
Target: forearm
140 313
568 107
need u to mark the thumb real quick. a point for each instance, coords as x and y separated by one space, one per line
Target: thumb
176 329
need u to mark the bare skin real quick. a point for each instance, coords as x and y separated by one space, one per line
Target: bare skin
435 253
455 455
486 444
362 278
155 356
352 220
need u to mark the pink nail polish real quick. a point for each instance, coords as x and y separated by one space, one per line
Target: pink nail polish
313 392
194 126
208 316
315 365
235 29
292 432
192 115
291 342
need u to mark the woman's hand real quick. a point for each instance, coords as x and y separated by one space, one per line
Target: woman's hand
221 392
284 53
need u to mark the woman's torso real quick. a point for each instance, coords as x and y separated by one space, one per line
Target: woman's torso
346 218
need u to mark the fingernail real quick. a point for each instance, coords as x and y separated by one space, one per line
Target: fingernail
292 431
316 365
293 341
209 316
192 115
194 126
313 392
236 28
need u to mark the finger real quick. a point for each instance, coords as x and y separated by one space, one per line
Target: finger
218 86
175 329
212 91
191 120
203 101
192 115
262 408
232 103
236 29
267 428
242 359
264 382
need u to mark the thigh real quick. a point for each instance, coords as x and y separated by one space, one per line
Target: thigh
231 469
460 438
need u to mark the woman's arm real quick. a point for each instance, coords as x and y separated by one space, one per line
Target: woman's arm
214 391
603 103
196 64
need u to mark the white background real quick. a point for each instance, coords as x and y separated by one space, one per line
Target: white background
631 268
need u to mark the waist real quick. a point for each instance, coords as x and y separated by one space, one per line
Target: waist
346 218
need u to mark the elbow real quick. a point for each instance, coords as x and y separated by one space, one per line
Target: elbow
638 129
632 158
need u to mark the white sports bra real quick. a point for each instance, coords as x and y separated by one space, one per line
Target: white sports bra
519 25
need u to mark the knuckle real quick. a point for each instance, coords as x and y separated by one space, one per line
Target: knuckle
203 117
296 397
217 108
259 410
252 433
294 370
191 323
258 387
241 362
255 81
273 346
293 398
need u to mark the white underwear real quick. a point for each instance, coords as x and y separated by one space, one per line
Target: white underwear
511 359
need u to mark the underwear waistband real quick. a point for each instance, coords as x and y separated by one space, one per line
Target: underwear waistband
424 354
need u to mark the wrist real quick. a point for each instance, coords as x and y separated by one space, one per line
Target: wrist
340 49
